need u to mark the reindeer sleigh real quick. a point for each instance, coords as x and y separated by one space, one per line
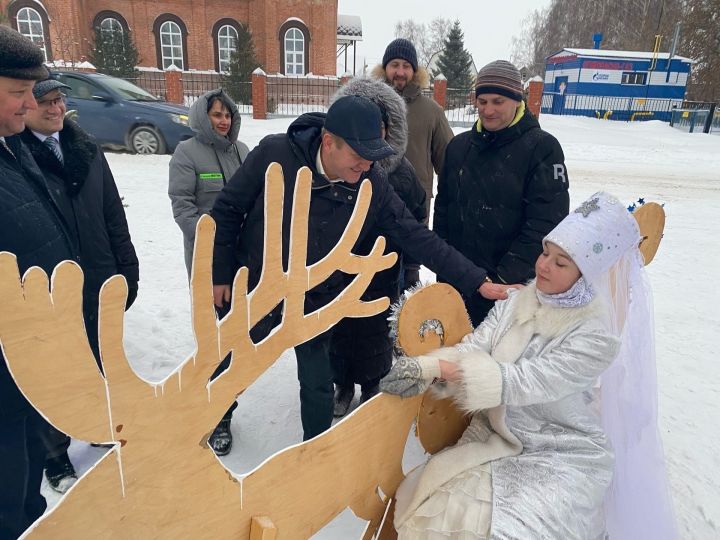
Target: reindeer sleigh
161 480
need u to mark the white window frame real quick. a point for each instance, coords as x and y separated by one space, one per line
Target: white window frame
294 59
25 20
112 26
225 36
171 53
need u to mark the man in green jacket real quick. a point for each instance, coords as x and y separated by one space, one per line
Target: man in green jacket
428 128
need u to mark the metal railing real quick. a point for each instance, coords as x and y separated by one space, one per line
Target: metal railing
460 107
629 109
152 81
697 117
292 96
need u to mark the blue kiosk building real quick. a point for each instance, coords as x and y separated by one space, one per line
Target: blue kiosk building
616 85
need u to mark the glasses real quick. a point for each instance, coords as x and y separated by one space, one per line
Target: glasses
46 104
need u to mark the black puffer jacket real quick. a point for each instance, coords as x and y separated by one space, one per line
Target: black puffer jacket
499 194
85 192
239 215
30 227
361 349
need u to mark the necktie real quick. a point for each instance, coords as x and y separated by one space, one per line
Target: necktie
54 145
6 147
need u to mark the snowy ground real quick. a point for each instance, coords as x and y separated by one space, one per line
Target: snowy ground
649 160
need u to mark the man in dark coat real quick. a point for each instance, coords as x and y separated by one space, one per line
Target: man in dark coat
83 188
340 149
30 227
361 349
503 186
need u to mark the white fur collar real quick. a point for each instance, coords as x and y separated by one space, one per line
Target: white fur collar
549 321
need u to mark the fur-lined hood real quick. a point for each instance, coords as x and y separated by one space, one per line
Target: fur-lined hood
382 94
420 80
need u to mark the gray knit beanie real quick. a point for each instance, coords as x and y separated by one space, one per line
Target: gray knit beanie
20 58
499 77
403 49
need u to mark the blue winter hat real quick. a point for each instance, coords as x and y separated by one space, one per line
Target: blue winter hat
358 121
401 48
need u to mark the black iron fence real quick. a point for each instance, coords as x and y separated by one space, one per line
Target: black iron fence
460 107
152 81
292 96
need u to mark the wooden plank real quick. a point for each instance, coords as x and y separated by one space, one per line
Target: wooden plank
262 528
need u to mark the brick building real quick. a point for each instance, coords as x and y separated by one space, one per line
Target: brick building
292 37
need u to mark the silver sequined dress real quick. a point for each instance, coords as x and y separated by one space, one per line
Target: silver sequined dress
553 488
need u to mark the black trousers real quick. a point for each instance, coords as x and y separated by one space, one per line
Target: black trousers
22 458
315 375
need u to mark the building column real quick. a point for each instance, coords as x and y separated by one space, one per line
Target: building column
440 90
259 94
174 85
534 96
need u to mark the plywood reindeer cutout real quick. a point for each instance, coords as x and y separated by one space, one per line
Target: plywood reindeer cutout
161 480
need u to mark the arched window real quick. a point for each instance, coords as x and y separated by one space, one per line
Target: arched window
294 52
227 38
171 42
111 26
30 24
294 48
111 21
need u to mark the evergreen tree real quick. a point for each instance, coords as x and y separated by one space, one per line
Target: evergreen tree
238 79
454 61
115 53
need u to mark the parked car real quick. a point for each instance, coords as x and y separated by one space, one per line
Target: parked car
122 115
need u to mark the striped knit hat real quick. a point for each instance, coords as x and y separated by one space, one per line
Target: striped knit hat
499 77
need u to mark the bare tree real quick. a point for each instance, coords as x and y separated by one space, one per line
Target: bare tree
428 39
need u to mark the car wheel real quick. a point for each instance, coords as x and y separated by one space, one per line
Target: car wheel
145 140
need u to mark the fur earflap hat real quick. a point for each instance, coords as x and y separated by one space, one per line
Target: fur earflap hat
20 58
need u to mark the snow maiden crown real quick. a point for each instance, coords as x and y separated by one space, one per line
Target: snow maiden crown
596 234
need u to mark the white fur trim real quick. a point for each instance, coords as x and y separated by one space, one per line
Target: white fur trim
481 382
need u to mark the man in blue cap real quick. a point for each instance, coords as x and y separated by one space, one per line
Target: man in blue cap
340 148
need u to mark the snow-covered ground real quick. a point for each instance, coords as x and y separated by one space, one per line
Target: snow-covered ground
649 160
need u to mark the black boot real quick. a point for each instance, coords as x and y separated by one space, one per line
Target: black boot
221 439
369 391
60 472
342 399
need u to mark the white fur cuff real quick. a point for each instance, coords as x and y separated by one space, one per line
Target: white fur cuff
481 382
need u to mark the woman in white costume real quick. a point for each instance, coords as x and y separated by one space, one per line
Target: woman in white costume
548 453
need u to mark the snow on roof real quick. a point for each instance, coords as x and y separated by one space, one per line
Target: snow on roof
349 27
637 55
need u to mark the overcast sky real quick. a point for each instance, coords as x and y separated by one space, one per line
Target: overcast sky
488 26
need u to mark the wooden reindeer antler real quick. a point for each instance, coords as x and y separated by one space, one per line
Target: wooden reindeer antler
165 482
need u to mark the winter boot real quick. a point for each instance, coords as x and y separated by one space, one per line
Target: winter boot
221 439
342 399
369 391
60 473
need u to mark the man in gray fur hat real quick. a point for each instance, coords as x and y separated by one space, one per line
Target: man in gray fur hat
32 228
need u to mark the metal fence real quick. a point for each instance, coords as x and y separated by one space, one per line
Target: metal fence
292 96
460 107
697 117
152 81
629 109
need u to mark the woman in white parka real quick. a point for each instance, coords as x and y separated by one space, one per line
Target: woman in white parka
547 453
